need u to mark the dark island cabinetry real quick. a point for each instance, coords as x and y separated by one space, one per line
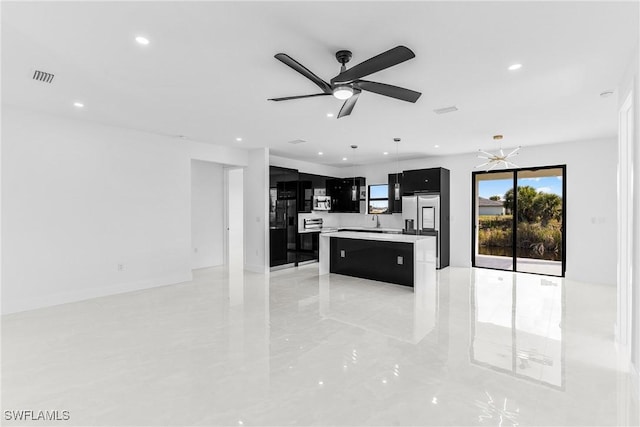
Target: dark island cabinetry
390 262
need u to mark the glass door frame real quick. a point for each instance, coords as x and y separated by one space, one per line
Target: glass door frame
514 223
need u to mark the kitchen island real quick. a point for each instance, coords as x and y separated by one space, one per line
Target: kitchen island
402 259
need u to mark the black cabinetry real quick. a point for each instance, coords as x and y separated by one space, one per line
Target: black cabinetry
283 215
341 191
423 180
395 206
308 246
307 184
372 259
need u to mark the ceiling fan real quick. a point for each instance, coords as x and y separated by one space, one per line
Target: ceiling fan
348 84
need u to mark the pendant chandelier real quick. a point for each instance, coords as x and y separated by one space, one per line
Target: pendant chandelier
498 159
396 187
354 187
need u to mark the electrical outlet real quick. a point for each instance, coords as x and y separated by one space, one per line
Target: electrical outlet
120 267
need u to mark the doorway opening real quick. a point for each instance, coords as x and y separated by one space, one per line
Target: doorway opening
521 230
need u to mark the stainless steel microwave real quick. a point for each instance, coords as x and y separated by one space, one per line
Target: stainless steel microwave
321 203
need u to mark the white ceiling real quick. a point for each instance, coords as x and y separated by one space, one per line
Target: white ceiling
209 70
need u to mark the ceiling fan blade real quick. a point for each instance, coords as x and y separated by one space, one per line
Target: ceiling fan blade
389 90
286 98
348 105
379 62
287 60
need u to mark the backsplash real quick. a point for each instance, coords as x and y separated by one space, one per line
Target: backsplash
351 220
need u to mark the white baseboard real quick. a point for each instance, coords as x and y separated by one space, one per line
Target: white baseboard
20 305
256 268
635 381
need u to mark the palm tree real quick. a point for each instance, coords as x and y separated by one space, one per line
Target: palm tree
526 196
548 206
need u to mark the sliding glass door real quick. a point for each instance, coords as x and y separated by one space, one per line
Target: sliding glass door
521 230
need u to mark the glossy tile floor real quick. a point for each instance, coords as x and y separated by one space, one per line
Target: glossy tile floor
478 347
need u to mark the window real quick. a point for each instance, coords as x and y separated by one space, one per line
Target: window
378 199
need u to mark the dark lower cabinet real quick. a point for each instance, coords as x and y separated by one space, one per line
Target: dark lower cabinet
308 246
277 246
372 259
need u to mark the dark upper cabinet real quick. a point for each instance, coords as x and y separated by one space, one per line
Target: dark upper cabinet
336 189
341 192
395 206
305 195
287 190
425 180
307 184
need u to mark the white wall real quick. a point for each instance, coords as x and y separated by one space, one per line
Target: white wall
207 214
256 211
80 198
308 167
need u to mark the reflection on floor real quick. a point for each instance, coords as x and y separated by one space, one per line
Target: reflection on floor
523 265
476 347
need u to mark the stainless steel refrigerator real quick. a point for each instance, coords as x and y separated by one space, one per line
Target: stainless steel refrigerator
422 214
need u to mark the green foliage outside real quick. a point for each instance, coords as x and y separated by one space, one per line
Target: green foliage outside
539 223
534 206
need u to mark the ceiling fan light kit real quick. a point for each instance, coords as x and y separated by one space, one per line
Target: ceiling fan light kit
343 92
348 84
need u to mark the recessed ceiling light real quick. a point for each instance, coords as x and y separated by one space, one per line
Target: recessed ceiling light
386 153
606 93
436 146
142 40
344 158
320 153
446 110
329 114
238 139
78 104
514 67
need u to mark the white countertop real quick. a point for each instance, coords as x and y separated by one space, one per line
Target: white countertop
387 237
334 229
310 230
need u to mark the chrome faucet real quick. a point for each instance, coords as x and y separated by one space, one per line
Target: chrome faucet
377 218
